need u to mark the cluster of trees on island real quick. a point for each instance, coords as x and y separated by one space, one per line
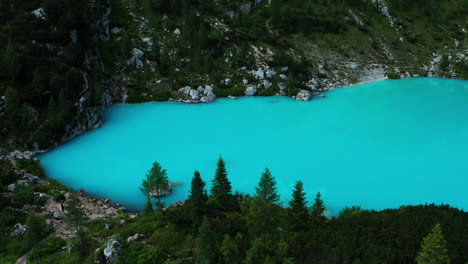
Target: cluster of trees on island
235 228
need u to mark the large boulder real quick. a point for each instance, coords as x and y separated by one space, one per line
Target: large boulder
111 250
194 95
250 91
31 178
135 63
208 95
303 95
135 59
137 53
12 187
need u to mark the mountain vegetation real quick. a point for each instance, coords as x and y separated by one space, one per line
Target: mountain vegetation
64 61
252 229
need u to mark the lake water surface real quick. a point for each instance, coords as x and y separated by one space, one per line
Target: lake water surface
378 145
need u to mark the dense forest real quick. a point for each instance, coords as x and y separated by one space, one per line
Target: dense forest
220 225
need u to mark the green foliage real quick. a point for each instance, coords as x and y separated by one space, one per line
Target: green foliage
24 195
221 192
318 210
7 174
263 213
196 201
74 214
155 182
148 208
393 75
298 212
36 230
230 249
433 248
139 253
46 248
206 243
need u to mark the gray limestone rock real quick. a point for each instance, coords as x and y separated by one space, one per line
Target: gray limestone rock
303 95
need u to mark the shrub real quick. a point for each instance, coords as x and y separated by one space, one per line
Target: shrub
23 195
46 247
393 75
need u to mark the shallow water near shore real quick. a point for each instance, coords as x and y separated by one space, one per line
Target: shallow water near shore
377 145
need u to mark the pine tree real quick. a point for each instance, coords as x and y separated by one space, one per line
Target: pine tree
12 107
148 208
205 243
74 215
433 248
263 212
156 182
51 108
35 230
318 210
230 250
298 212
221 186
202 37
197 199
37 86
10 59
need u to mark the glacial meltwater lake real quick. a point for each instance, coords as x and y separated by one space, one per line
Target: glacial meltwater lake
377 145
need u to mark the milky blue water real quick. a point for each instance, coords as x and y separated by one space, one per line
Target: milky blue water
377 145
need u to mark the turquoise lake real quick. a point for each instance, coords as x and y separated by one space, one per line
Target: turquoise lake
377 145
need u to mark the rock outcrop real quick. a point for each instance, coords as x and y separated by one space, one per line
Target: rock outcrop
199 95
303 95
135 59
250 91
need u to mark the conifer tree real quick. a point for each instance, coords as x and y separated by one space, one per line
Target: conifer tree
74 215
298 212
202 37
148 208
10 59
36 85
433 248
205 243
156 182
197 198
230 250
12 107
35 230
263 211
318 210
221 186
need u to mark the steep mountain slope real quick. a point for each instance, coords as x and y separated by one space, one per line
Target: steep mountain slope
64 61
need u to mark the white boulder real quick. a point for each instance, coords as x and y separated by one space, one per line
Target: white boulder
250 91
303 95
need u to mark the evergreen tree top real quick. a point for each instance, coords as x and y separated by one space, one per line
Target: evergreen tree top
221 184
433 248
266 189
